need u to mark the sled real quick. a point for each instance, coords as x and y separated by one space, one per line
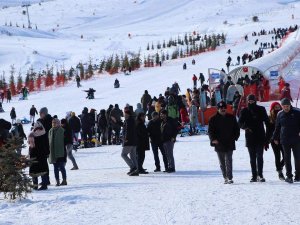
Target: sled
25 121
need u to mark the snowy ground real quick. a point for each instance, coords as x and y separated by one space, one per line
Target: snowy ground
101 192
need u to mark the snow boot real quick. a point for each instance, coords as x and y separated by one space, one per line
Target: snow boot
57 183
253 179
289 180
134 173
261 179
280 175
131 170
64 182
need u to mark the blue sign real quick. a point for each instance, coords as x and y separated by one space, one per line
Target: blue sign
274 73
215 76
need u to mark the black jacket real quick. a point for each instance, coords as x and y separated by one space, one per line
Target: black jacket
47 123
102 121
225 129
68 138
13 114
129 132
75 124
154 131
86 122
33 111
168 130
252 121
287 127
5 126
142 136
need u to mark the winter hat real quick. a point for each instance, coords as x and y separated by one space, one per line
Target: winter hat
73 114
44 110
165 112
154 114
251 97
85 110
285 101
56 120
272 106
221 105
63 121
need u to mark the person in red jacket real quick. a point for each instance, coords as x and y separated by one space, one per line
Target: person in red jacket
184 115
266 90
195 81
286 92
281 83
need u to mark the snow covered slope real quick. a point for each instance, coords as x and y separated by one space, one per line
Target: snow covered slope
100 192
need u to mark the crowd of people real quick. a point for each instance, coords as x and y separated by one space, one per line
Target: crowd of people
53 140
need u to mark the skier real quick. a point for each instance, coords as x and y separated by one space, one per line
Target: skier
223 131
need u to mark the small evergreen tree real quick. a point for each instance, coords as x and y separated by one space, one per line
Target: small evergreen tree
14 182
12 85
102 65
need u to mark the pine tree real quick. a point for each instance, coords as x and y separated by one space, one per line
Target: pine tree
116 65
101 66
152 46
164 44
20 82
109 64
81 70
14 182
12 85
125 62
148 47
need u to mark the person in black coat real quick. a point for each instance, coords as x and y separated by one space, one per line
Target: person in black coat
154 132
46 120
130 143
32 113
142 141
275 108
168 133
252 120
287 130
75 125
223 131
86 125
13 115
102 127
4 131
39 151
109 123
